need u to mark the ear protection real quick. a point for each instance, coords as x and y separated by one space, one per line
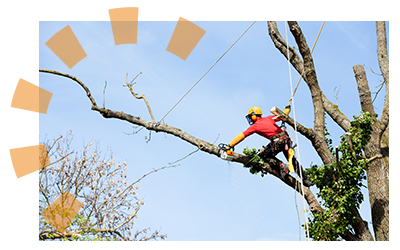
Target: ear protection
252 118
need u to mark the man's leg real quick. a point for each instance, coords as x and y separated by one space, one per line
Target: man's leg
268 155
299 168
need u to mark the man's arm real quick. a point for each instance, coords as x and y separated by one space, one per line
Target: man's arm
286 111
240 137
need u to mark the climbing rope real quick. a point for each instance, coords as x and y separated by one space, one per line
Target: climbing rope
207 71
305 219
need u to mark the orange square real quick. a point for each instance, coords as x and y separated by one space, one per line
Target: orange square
61 213
30 97
67 47
124 24
185 38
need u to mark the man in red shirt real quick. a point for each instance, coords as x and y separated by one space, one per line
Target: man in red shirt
280 141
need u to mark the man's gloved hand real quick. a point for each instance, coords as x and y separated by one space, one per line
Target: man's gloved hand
225 147
287 110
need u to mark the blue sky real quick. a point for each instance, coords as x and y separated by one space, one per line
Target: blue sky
204 198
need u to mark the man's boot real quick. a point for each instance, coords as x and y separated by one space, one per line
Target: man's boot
306 181
283 170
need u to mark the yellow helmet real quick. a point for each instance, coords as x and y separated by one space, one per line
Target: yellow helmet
255 111
253 114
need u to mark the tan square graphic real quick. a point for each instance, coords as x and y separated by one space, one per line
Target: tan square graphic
67 47
61 213
185 38
44 160
124 23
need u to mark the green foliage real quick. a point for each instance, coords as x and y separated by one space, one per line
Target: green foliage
253 153
340 183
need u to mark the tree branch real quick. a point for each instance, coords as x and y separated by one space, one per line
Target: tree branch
383 58
57 235
202 145
363 89
384 123
317 141
281 45
129 85
311 76
89 95
335 113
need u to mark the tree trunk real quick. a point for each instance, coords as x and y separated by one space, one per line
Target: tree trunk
377 173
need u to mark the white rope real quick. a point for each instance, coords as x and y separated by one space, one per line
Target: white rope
207 71
306 233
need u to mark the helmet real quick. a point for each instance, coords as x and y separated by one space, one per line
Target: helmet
253 114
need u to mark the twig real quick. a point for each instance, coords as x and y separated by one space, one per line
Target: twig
377 92
129 85
104 95
336 94
130 218
130 186
192 153
62 158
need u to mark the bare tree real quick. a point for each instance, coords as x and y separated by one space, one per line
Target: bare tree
109 204
376 150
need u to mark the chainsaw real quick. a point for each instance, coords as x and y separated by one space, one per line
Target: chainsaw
224 151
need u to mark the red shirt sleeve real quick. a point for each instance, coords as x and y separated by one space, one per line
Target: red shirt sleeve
250 130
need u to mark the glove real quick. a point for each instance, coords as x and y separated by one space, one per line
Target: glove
240 137
287 110
228 150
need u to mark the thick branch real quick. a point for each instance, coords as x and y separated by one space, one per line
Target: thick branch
317 141
384 123
334 112
207 147
311 76
363 89
281 45
383 58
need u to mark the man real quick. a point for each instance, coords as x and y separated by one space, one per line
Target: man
280 141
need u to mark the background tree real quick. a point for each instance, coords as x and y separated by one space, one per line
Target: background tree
357 230
110 205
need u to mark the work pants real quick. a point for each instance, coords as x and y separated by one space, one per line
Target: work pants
274 148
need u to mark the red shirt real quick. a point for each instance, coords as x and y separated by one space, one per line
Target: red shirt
264 126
